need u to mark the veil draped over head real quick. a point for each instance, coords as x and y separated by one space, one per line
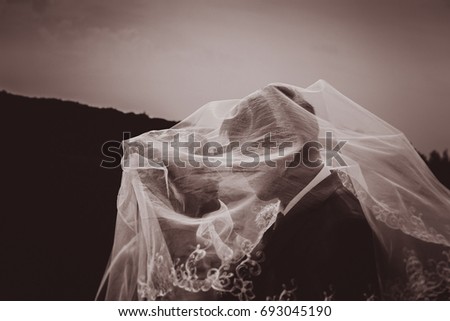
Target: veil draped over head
197 198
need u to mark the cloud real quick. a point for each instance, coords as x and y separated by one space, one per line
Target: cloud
38 6
128 53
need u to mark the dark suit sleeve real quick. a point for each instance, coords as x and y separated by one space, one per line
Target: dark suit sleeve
353 252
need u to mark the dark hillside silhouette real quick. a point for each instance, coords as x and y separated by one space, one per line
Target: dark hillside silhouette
58 214
439 165
59 206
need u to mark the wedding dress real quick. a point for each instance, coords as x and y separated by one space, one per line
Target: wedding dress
194 206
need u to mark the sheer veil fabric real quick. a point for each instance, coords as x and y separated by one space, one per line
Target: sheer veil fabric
193 204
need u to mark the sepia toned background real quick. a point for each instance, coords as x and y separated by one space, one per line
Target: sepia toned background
167 58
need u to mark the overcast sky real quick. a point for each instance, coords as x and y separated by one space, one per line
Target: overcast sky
168 58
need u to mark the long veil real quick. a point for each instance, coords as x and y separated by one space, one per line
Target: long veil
188 210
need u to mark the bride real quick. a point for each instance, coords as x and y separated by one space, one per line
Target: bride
286 194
